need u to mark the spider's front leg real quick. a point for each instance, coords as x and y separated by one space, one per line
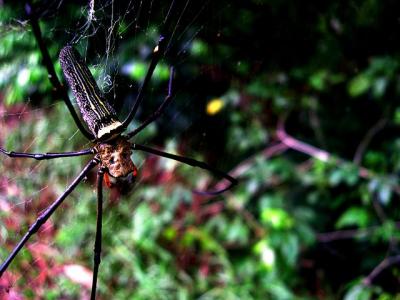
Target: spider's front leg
46 215
44 156
157 54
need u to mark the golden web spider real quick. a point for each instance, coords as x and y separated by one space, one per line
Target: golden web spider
112 148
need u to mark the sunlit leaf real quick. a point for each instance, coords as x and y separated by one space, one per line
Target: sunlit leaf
276 218
354 216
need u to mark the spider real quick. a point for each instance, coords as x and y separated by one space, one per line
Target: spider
112 148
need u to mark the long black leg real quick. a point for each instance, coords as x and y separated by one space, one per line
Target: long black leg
159 110
158 52
97 242
191 162
50 69
45 215
42 156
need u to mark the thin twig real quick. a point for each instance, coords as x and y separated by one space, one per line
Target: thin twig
316 126
320 154
384 264
328 237
367 140
378 208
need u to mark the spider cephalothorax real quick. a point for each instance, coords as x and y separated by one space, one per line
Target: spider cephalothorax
115 157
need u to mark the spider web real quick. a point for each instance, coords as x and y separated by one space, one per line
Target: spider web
116 40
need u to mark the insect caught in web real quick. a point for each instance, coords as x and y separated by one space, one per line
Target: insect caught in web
112 148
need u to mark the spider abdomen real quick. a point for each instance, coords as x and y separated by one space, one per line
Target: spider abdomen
96 111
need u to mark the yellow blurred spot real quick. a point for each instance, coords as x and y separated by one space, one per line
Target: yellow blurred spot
214 106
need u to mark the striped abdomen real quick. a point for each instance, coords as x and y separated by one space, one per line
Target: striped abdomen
95 109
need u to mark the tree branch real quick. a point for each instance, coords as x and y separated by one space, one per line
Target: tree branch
384 264
320 154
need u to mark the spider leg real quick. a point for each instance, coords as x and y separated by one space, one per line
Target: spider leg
46 215
158 52
43 156
50 69
191 162
159 110
97 242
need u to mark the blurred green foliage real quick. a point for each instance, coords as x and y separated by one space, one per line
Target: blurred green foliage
301 224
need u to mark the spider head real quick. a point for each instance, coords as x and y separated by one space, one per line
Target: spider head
115 156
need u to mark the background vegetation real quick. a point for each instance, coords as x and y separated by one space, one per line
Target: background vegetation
298 100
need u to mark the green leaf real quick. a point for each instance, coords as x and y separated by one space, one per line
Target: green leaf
276 218
379 87
136 70
161 72
318 80
279 291
354 216
358 292
199 48
290 248
359 85
396 117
